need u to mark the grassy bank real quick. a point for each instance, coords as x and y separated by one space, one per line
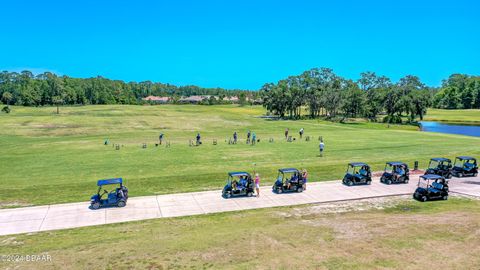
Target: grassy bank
454 116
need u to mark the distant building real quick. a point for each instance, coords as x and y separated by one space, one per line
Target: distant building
157 99
233 99
193 99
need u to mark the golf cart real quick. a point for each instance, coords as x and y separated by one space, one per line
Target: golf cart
431 187
440 166
357 173
465 166
395 172
288 180
116 197
238 184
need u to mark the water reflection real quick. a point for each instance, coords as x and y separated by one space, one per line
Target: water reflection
450 128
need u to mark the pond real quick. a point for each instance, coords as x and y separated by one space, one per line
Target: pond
469 130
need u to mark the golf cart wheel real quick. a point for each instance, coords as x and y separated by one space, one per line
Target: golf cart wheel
449 176
121 204
279 190
445 197
460 175
349 183
475 174
300 189
388 182
96 205
249 194
227 195
406 181
369 182
424 198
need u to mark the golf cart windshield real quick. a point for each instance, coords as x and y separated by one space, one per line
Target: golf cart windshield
465 163
284 174
237 178
459 163
423 183
439 163
358 168
433 164
352 170
389 168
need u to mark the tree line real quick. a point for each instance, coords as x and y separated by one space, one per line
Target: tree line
47 88
321 92
459 92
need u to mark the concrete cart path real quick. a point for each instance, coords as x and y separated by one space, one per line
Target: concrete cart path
73 215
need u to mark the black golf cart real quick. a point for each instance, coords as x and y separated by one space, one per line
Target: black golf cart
395 172
288 180
440 166
431 187
116 197
465 166
357 173
238 184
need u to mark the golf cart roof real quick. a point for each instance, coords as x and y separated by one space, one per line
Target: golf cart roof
396 163
466 158
288 170
233 174
112 181
431 177
357 164
440 159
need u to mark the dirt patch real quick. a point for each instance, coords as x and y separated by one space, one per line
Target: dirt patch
361 226
11 241
346 206
13 204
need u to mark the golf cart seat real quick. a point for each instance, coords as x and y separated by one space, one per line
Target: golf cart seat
112 196
437 186
241 186
469 166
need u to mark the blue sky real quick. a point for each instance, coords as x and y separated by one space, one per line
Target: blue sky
240 44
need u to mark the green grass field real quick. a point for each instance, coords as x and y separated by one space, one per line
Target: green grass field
48 158
405 235
454 116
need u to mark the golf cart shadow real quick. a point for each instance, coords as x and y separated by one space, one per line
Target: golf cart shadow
241 197
103 207
470 182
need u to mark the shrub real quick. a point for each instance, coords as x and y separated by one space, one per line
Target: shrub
392 119
6 109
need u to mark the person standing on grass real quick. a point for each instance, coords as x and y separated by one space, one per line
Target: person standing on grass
254 138
257 184
305 177
248 136
235 137
286 133
160 138
322 147
301 132
198 139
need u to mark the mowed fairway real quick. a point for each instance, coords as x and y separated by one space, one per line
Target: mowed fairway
454 116
48 158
